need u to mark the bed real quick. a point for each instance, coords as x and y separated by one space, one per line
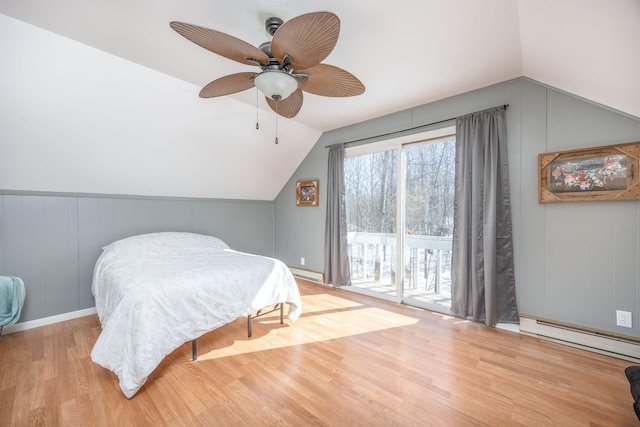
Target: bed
155 292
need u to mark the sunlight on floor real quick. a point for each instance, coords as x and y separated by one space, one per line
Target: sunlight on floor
331 317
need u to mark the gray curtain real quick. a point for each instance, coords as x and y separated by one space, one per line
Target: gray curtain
336 261
482 274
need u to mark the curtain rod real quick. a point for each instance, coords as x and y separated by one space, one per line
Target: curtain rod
505 106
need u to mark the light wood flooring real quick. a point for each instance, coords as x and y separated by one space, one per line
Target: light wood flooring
350 360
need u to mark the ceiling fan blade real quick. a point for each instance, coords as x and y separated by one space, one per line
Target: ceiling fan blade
289 106
307 39
227 85
327 80
221 43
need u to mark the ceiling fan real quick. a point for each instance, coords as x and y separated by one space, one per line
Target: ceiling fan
289 63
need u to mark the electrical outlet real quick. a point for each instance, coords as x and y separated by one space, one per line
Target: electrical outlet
302 261
623 318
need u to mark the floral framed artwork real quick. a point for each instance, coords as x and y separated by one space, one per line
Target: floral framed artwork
598 173
307 193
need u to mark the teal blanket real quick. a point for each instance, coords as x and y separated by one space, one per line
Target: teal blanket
12 294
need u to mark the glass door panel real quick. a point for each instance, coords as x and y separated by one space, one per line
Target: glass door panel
429 171
370 198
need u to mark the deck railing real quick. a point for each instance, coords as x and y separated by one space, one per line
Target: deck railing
426 259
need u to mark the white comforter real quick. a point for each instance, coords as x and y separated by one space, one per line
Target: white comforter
154 292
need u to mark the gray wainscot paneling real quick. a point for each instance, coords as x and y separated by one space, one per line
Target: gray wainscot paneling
53 241
575 262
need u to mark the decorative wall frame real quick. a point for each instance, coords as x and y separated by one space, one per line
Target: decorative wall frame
598 173
307 193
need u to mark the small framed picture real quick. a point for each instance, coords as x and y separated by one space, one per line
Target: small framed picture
307 193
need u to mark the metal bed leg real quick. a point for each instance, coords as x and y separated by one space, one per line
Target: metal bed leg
194 343
259 313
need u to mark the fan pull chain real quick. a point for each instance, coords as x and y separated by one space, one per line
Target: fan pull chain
257 122
276 122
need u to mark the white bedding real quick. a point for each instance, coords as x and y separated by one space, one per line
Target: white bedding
154 292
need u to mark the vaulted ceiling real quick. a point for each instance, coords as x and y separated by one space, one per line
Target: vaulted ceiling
102 96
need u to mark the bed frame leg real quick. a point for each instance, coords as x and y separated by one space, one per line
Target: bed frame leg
259 313
194 350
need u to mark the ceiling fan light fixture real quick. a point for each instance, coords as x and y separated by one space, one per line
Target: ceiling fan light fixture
276 84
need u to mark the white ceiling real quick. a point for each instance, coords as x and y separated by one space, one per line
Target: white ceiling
110 92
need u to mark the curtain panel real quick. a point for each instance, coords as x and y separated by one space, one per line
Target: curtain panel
482 271
336 261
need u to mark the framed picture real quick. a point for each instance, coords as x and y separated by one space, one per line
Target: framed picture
307 193
598 173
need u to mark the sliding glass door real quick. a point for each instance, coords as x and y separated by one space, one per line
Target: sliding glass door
407 185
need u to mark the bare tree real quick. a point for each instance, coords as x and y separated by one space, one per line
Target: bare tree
371 195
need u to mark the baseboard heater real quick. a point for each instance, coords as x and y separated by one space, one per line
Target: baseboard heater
620 346
310 275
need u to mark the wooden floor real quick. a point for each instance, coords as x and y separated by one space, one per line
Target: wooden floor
350 360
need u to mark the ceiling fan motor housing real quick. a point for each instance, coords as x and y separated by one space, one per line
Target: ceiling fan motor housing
266 48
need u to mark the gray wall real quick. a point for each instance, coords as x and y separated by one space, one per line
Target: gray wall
575 262
53 241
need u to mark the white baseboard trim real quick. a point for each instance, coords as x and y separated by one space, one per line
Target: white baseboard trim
31 324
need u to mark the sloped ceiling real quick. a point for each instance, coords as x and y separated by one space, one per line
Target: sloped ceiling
102 96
